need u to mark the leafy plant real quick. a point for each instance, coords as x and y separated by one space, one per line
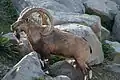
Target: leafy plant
107 49
55 58
8 15
7 49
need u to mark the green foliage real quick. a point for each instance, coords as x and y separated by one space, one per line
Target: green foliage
55 58
8 50
107 49
7 15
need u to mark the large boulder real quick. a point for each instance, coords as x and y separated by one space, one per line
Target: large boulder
106 9
30 68
54 5
116 1
97 55
92 21
116 27
64 68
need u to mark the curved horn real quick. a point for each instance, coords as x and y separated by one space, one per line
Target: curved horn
41 11
23 11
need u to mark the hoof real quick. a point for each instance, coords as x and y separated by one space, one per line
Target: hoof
88 76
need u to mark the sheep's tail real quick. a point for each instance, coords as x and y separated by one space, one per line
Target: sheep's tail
89 46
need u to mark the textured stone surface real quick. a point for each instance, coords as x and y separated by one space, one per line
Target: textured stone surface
88 20
116 1
54 5
64 68
116 27
28 68
114 68
115 45
106 9
86 32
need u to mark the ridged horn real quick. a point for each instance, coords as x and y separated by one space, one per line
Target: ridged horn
27 12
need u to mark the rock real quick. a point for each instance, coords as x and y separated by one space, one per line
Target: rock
61 77
105 34
116 53
92 21
117 59
64 68
114 67
116 27
11 37
116 1
114 45
86 32
30 68
54 5
106 9
27 68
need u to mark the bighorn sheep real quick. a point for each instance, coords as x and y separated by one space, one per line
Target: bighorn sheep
47 40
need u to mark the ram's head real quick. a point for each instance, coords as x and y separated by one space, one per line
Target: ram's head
34 22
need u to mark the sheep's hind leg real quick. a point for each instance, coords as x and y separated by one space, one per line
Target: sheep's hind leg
84 68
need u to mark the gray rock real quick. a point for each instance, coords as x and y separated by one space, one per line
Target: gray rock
92 21
106 9
54 5
114 67
11 37
115 45
86 32
60 77
64 68
116 1
116 27
116 53
105 34
27 68
117 59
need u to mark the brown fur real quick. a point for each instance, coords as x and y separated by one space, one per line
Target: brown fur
57 43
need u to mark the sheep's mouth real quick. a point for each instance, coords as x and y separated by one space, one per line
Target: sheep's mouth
20 36
17 35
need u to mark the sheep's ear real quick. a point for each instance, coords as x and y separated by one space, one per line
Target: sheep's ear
13 26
